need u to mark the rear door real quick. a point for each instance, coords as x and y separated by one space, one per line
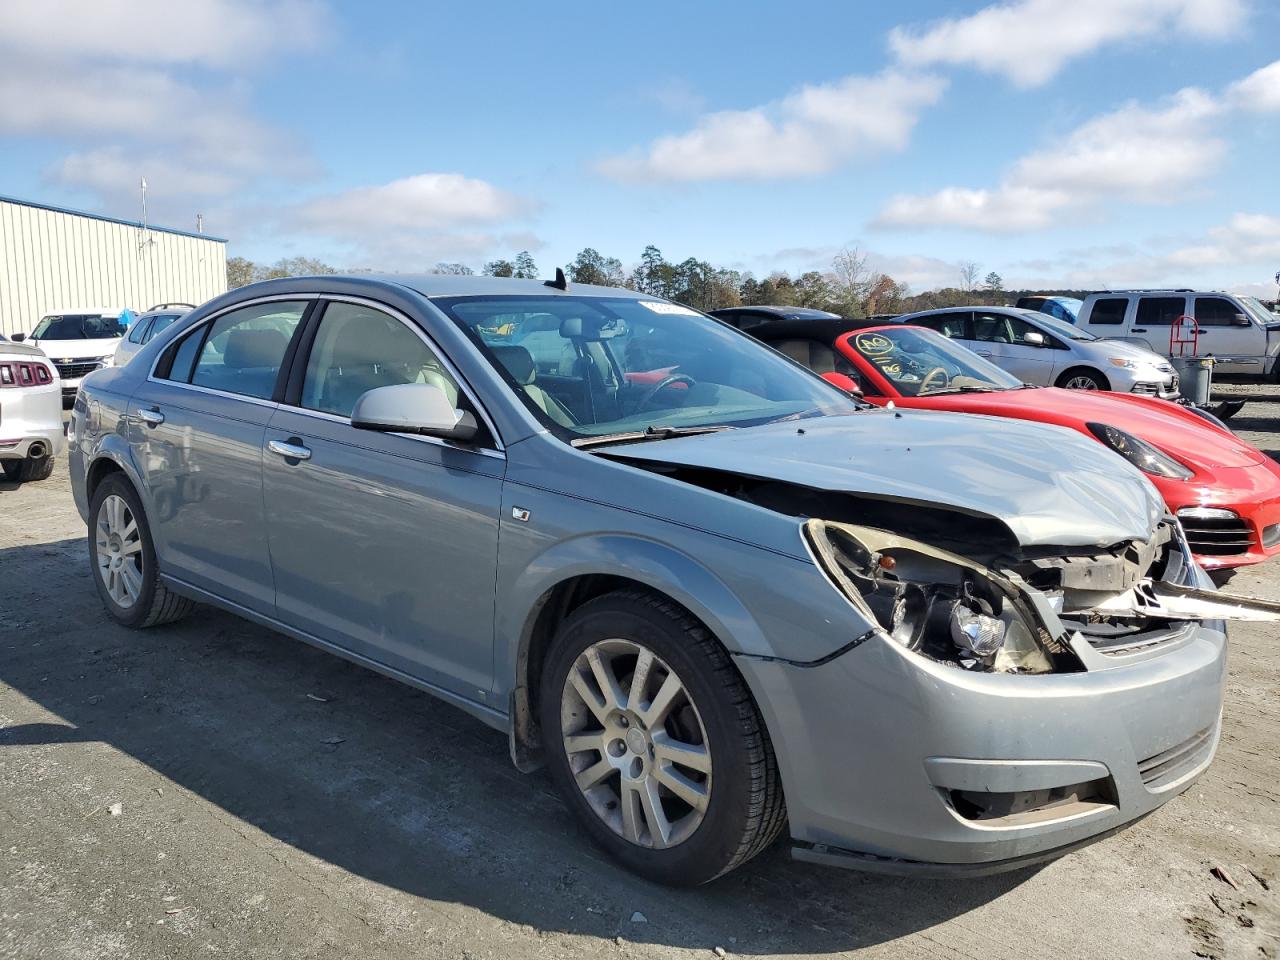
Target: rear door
382 544
1230 334
1153 320
197 426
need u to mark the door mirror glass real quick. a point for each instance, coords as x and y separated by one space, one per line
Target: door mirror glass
844 382
1242 320
1033 338
420 408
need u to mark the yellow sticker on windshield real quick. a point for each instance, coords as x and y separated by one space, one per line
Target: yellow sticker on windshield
873 343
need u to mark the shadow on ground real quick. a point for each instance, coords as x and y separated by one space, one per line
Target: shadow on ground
417 796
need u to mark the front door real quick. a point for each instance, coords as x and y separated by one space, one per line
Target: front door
1227 331
382 544
196 431
1002 339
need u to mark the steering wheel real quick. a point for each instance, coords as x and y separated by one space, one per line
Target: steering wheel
937 373
661 385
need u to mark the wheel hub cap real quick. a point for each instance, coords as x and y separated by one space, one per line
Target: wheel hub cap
636 744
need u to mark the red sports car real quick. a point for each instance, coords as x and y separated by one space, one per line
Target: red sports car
1225 492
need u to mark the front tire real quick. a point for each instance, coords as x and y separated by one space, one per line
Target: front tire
655 742
1082 378
122 559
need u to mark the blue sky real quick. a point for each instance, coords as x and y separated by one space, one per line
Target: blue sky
1086 143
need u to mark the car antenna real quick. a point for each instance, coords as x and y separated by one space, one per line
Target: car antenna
560 283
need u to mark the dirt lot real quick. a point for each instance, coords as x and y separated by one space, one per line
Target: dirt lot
213 789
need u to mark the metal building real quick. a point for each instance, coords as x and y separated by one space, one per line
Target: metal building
52 260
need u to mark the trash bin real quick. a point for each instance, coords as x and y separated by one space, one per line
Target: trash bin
1195 375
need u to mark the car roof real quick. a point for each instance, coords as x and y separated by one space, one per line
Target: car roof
454 285
781 312
829 330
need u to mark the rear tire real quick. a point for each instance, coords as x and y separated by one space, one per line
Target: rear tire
28 469
676 779
122 559
1083 378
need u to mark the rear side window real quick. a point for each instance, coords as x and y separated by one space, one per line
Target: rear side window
158 325
954 325
139 328
1109 310
816 355
178 360
1159 311
245 348
1218 312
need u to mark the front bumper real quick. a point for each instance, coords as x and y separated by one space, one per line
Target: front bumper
881 750
1148 383
1253 493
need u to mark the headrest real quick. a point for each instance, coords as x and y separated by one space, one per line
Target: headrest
373 340
518 361
254 348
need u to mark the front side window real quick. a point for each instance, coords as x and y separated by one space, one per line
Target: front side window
954 325
79 326
919 362
1159 311
244 349
358 349
591 367
1217 312
1109 311
138 329
1000 328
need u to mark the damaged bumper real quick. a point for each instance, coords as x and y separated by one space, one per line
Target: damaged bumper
984 771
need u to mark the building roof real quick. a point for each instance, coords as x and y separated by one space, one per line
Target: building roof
98 216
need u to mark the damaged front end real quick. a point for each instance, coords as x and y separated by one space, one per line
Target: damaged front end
1023 613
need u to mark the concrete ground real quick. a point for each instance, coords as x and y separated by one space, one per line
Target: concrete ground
214 789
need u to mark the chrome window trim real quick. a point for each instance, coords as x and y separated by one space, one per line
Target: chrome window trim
346 421
439 354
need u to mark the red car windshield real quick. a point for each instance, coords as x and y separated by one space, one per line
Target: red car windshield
918 362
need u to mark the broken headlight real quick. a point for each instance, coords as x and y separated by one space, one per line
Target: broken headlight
1141 454
938 604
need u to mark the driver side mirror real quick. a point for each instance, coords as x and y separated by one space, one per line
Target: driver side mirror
1033 338
844 382
420 408
1242 320
18 337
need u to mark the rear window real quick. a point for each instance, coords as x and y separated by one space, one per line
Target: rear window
1109 310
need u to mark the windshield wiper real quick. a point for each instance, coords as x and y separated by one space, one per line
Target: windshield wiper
934 393
655 431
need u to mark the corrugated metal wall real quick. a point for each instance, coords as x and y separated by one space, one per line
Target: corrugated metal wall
52 260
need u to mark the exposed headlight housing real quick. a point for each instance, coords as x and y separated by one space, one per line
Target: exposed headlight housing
1141 454
1123 362
938 604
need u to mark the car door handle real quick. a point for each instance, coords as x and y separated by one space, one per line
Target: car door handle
152 417
983 353
291 449
1139 329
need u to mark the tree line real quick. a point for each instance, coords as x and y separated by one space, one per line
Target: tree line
849 287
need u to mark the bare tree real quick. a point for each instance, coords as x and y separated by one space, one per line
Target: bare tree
851 281
969 275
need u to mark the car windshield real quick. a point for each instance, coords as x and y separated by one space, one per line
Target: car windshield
1059 328
1261 313
593 367
79 326
918 362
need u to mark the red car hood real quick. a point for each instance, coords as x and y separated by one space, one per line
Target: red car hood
1170 427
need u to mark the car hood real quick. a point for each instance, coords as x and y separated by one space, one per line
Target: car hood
1049 485
1119 348
78 349
1178 432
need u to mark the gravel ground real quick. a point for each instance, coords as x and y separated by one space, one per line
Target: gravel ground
213 789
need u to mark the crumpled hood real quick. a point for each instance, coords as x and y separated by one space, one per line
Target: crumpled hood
78 349
1049 485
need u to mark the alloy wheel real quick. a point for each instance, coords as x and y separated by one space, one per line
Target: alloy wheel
636 744
119 551
1081 383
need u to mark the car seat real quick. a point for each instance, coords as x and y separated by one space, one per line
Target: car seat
519 363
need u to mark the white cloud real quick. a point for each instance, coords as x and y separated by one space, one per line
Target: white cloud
412 222
1134 153
219 33
807 133
1030 41
1259 92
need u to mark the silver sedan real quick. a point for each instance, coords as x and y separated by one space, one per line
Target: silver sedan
1048 352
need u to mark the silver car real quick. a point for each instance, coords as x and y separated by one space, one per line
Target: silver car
1040 349
147 326
719 598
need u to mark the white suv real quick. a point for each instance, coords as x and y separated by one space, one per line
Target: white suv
1240 334
80 342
